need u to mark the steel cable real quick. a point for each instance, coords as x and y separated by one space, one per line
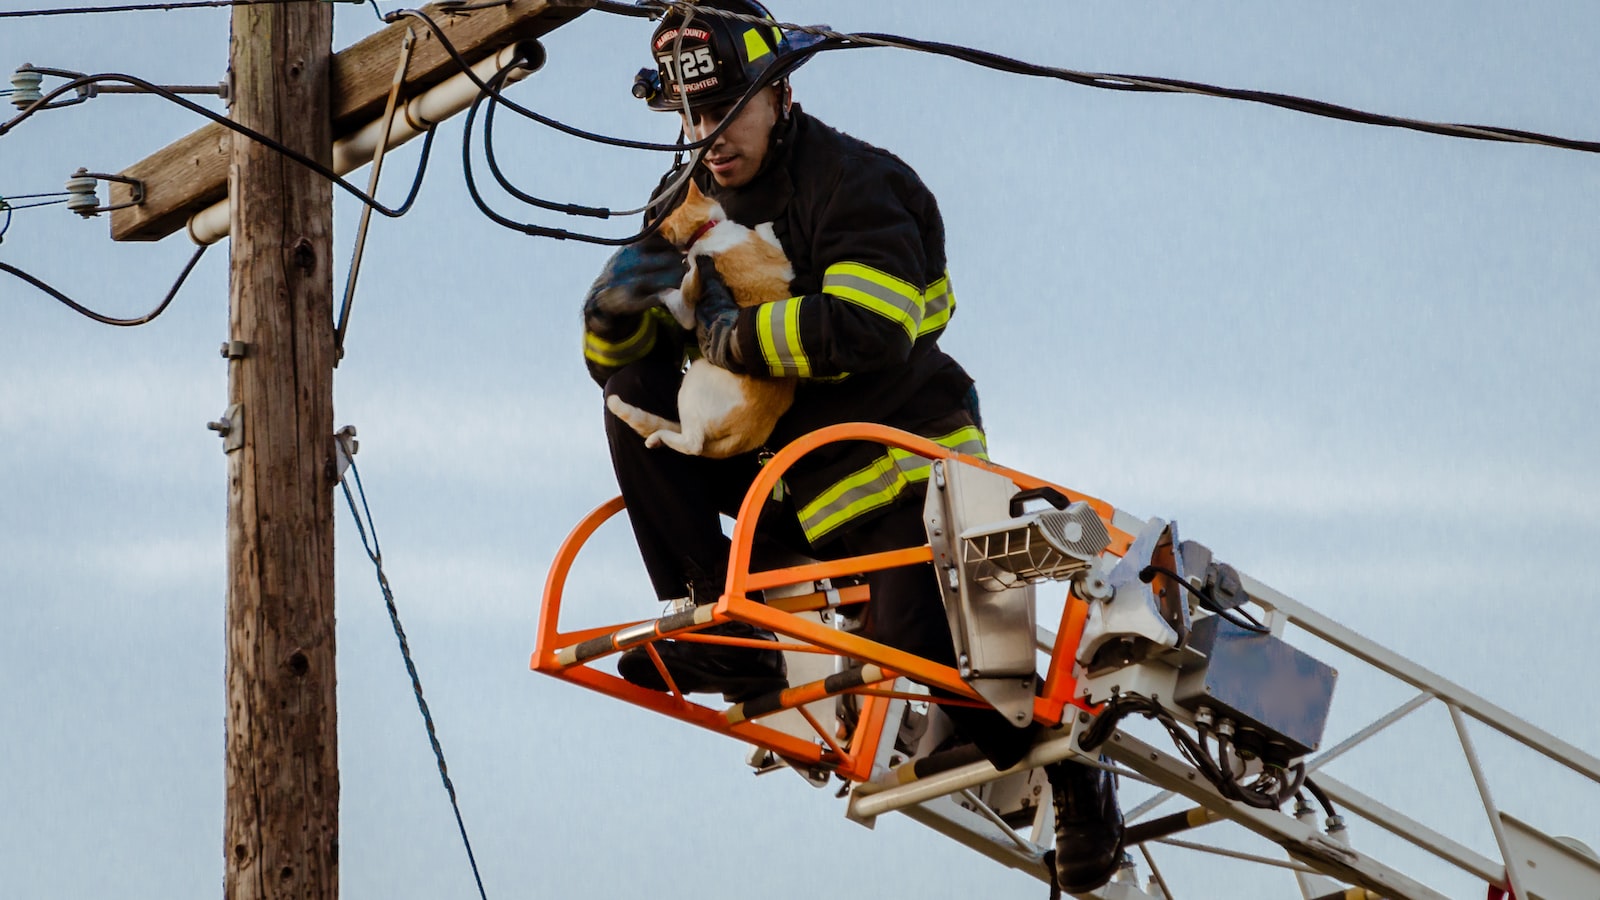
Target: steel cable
375 554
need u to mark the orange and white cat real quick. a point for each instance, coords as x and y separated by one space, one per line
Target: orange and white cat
722 414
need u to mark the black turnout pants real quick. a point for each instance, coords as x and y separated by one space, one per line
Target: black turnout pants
674 502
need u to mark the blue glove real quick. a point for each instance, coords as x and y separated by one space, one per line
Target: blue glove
630 283
716 315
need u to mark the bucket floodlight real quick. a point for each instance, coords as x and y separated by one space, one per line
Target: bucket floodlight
1048 545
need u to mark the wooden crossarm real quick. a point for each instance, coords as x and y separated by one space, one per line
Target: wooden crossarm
191 173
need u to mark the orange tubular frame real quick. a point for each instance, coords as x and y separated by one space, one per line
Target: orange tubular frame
566 654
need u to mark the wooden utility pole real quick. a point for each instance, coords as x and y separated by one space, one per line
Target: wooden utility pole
281 829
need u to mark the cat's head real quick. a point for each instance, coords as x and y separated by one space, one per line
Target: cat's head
695 210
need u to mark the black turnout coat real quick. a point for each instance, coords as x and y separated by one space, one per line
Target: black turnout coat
870 297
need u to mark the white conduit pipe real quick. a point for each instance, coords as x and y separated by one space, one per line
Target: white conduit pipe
873 799
438 103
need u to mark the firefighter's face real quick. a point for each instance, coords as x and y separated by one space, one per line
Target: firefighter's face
736 155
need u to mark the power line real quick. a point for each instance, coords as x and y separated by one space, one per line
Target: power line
230 124
834 40
6 197
831 40
153 7
104 319
6 204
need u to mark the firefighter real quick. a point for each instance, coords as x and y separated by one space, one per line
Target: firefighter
870 298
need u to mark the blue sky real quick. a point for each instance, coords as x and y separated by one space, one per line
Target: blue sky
1356 362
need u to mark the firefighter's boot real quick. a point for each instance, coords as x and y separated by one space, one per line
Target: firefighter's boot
737 673
1088 826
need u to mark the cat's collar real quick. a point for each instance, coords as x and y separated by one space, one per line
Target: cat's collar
700 232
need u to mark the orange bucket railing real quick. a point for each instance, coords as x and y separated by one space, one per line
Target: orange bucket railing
872 665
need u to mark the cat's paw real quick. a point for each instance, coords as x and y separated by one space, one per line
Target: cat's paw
680 308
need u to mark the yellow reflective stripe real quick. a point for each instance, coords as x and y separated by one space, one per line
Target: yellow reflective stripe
862 492
880 482
778 333
939 304
880 292
755 46
602 352
917 312
968 440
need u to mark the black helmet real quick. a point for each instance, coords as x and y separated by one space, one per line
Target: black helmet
713 59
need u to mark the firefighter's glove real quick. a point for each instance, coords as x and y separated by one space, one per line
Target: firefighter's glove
633 280
716 316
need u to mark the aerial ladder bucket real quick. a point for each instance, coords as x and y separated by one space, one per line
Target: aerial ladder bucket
1149 624
801 604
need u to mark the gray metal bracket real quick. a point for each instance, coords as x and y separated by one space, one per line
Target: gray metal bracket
1552 868
230 427
1133 619
993 630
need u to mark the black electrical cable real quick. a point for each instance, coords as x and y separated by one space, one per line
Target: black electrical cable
527 228
222 120
1247 622
485 86
1269 791
1293 788
453 7
342 322
155 7
1216 770
571 209
632 10
491 88
108 320
1322 797
1121 706
422 170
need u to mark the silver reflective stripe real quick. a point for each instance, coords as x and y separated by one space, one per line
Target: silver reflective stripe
879 488
941 301
916 467
779 336
902 309
880 482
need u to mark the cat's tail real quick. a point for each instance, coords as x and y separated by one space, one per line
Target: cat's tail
646 423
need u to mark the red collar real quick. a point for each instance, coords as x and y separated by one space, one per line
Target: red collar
700 233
